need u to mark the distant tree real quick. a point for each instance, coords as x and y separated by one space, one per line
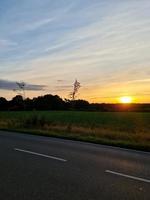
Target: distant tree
3 104
77 104
48 102
28 104
17 103
81 105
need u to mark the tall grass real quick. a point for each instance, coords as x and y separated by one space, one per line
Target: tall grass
122 128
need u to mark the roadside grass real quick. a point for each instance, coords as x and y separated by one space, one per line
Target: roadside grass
130 130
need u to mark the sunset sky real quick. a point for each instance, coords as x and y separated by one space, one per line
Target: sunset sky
105 44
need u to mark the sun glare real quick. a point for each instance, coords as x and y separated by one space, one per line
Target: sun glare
126 99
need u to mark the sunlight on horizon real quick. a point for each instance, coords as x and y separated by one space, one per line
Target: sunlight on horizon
126 99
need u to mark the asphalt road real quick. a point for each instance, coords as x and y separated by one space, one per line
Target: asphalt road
36 167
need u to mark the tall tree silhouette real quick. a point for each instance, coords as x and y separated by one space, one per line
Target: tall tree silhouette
76 87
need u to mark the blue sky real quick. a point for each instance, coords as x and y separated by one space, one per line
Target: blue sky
103 43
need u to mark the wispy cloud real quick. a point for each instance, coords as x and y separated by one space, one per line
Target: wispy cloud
6 43
34 25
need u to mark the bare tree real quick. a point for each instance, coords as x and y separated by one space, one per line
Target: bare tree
21 89
76 87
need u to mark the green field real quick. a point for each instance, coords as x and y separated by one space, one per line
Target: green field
130 130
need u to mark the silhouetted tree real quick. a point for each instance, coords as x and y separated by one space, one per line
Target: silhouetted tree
81 105
3 104
21 89
17 103
48 102
28 104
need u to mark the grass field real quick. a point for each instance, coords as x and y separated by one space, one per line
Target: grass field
130 130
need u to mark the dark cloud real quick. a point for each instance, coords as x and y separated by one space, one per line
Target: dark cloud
12 85
64 86
59 81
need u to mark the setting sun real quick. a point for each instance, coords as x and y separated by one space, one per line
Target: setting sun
126 99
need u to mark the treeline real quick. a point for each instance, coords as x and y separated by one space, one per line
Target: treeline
54 102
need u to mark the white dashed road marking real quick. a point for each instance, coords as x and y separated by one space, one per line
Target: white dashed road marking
39 154
128 176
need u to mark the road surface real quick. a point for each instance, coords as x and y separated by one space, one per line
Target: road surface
43 168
